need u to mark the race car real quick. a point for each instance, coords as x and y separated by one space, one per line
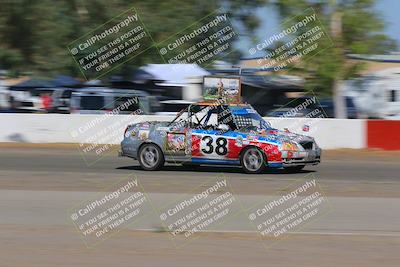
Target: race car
218 134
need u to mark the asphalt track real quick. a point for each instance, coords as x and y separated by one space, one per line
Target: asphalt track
39 185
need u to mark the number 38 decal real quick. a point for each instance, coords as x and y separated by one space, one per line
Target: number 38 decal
210 145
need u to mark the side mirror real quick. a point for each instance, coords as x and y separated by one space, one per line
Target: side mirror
223 127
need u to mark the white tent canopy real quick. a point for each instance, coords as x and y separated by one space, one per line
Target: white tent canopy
174 73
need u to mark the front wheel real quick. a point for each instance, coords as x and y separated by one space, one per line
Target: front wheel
253 160
151 157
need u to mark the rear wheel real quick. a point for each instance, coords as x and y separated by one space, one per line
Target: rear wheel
294 168
151 157
252 160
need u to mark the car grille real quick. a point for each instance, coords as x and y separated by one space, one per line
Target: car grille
307 145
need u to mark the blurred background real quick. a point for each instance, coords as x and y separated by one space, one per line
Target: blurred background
358 76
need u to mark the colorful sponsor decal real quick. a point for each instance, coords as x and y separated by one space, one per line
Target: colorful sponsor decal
239 141
162 128
143 134
252 137
274 132
176 142
145 126
262 132
289 146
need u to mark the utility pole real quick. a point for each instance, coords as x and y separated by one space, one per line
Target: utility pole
336 32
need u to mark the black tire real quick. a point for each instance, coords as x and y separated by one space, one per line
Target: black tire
151 157
294 168
253 160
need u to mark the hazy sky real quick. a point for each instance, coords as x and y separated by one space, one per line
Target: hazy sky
388 9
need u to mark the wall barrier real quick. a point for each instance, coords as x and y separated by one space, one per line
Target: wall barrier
329 133
383 134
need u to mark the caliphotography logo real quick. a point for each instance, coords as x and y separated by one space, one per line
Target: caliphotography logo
110 45
298 205
100 135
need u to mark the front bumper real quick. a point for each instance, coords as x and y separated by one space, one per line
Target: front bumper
299 158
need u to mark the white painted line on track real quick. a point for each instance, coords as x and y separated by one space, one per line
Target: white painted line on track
383 234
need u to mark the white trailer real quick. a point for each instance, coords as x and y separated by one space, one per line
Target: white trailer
377 95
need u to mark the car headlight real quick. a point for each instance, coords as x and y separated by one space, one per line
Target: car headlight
289 146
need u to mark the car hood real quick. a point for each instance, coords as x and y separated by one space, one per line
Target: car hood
278 135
